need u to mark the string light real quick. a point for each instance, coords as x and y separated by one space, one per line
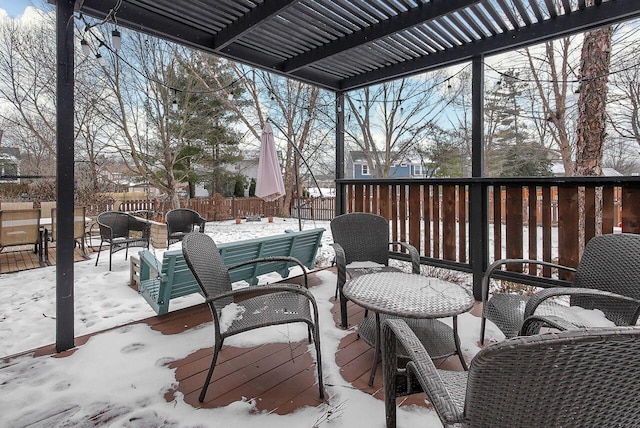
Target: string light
116 39
174 103
84 45
100 59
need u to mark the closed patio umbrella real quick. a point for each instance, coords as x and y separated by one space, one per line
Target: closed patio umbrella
269 182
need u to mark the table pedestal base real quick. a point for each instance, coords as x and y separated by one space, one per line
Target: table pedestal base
439 340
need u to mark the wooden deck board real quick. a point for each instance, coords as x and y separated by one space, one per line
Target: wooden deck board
14 259
280 377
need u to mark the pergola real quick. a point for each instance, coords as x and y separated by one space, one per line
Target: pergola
338 45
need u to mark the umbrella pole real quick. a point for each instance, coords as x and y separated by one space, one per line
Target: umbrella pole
295 171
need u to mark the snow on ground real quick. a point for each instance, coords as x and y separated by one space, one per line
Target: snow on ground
126 367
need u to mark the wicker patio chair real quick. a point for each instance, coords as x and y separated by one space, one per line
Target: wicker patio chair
182 221
274 304
121 231
607 278
576 378
363 237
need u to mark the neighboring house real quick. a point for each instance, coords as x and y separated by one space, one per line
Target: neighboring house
557 168
407 167
9 165
248 166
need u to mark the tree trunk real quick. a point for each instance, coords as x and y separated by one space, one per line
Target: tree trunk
594 71
590 131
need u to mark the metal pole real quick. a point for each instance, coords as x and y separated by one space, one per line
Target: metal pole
65 176
478 206
295 171
340 193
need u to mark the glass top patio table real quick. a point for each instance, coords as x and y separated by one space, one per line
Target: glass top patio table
417 297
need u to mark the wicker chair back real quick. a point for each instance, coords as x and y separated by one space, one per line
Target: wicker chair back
363 236
204 259
610 263
575 378
182 221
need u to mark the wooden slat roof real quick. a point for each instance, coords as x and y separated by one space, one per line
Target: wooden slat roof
342 45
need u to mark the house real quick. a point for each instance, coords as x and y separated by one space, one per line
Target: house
557 168
407 167
9 165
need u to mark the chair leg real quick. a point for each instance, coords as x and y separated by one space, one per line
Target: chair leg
316 339
343 310
483 322
99 250
216 350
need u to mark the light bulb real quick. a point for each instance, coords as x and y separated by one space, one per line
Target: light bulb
174 105
116 39
100 59
86 50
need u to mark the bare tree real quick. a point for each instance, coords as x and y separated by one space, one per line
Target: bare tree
298 109
552 73
140 100
28 76
388 121
624 96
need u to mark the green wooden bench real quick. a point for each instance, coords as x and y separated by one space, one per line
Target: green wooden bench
163 280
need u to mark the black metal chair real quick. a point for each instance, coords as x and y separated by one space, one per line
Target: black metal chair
182 221
261 306
575 378
121 231
607 278
363 237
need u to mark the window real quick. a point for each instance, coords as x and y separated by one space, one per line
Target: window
365 170
417 170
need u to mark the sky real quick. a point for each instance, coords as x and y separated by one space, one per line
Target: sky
120 367
15 8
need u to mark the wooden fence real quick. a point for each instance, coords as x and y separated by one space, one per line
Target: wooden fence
219 208
434 216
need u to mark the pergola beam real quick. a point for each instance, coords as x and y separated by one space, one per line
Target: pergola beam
403 21
252 18
564 25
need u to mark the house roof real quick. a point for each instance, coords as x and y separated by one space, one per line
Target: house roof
342 45
358 156
557 168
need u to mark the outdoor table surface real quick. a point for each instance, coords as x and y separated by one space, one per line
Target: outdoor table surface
408 295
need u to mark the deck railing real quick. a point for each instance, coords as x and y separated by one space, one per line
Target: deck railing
433 215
